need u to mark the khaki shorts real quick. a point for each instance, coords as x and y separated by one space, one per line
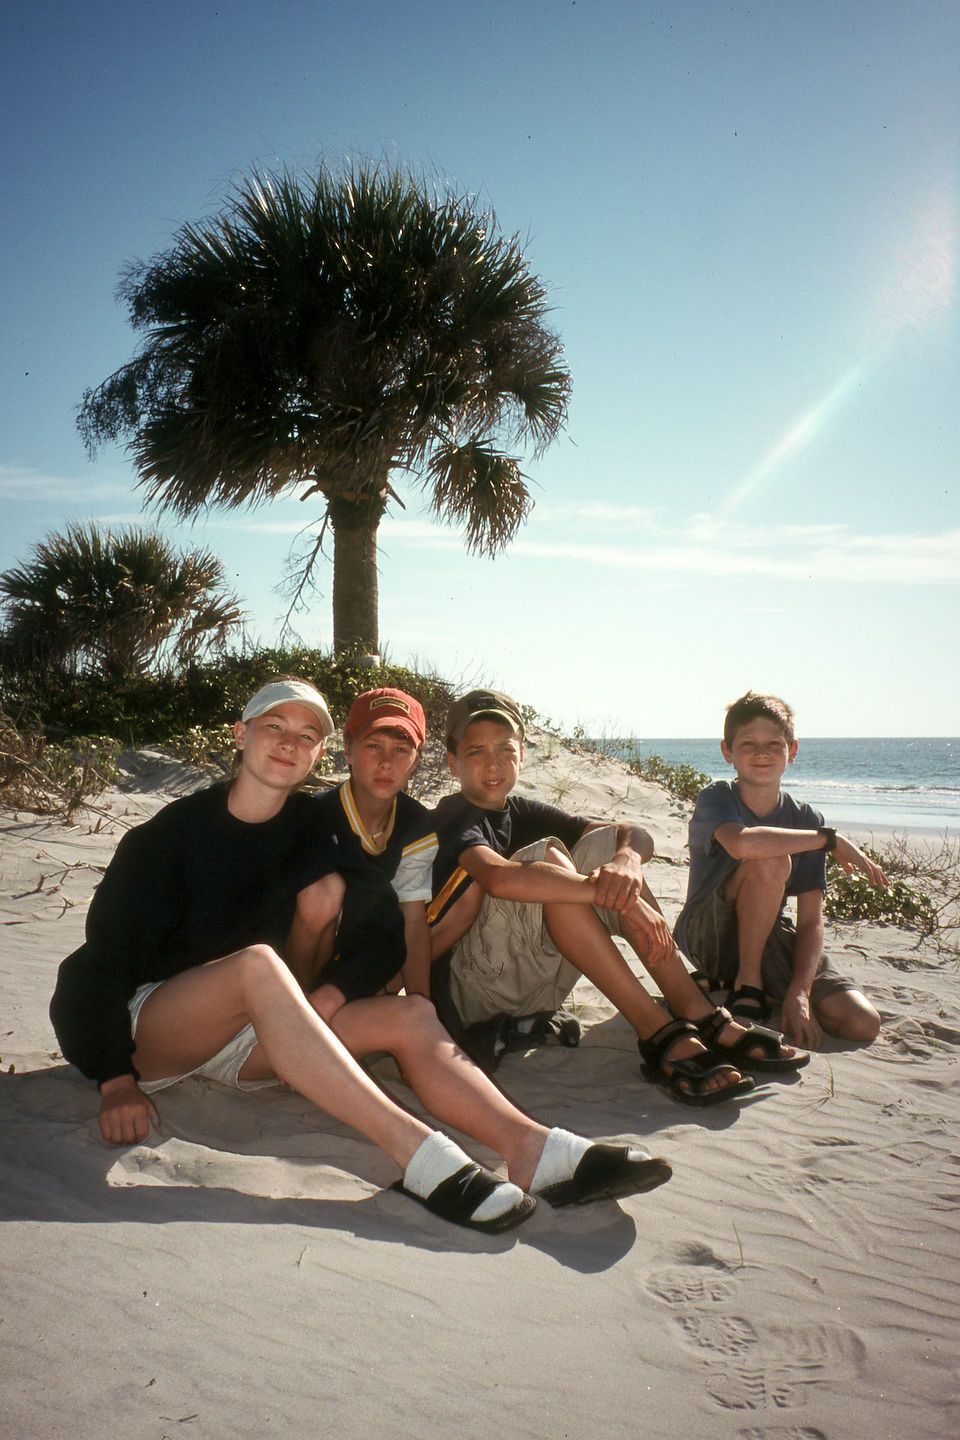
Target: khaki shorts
224 1067
506 963
712 945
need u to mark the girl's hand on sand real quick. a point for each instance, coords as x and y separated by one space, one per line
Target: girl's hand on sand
849 858
126 1114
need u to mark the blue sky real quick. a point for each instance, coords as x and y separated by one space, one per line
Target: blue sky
747 216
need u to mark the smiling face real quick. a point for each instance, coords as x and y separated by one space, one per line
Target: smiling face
487 763
760 752
380 763
280 748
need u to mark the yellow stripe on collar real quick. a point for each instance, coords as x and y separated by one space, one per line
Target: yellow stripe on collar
357 825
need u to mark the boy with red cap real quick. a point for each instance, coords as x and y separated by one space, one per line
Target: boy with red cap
348 933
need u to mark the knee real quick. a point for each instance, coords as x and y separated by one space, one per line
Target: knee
263 966
771 873
319 904
419 1018
864 1024
555 855
850 1016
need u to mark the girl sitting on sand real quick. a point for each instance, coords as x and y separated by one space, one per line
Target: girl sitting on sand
181 974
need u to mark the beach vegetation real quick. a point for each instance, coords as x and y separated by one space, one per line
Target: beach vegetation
151 709
682 781
115 604
852 897
50 779
323 337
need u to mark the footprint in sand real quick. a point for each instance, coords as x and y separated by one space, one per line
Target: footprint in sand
725 1334
747 1370
750 1390
784 1361
705 1280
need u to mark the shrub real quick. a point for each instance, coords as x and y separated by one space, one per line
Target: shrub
684 781
852 897
51 779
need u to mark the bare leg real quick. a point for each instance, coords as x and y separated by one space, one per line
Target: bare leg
681 992
757 886
849 1015
314 929
445 1081
327 1000
192 1016
580 935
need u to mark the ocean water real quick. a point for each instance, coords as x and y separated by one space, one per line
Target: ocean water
905 784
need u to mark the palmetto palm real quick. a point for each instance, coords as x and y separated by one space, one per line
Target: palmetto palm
321 335
113 603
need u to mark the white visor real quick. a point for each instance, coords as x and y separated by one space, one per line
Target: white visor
289 692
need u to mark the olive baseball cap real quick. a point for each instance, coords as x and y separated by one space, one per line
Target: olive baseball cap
482 705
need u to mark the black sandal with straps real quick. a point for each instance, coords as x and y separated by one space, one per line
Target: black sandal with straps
748 1002
686 1079
758 1037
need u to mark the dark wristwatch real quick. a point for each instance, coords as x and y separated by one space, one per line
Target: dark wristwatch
830 836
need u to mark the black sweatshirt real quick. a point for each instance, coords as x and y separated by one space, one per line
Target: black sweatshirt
190 885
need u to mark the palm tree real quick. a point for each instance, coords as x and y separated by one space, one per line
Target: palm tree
321 335
113 603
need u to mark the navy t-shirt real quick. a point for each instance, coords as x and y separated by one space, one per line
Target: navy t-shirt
462 826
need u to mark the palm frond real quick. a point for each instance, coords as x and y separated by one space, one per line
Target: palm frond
482 490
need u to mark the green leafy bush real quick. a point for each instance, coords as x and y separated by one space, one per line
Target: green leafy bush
684 781
154 709
852 897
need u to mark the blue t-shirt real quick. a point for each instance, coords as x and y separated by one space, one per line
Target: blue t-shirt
721 804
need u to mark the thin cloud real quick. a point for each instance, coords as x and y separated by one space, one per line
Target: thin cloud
21 483
706 547
719 548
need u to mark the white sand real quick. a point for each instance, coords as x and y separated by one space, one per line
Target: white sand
246 1274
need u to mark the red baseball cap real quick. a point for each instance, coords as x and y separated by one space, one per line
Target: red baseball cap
386 709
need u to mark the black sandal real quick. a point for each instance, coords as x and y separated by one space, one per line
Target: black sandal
687 1078
461 1194
608 1172
748 1002
772 1061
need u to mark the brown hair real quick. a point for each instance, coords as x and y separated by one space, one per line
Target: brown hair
754 706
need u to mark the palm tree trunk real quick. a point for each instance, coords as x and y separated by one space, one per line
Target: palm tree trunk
355 595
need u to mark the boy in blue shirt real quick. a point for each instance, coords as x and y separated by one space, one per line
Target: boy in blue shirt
752 846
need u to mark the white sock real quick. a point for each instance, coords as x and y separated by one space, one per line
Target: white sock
562 1153
437 1159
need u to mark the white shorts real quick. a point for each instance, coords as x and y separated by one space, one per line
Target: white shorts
506 963
224 1067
